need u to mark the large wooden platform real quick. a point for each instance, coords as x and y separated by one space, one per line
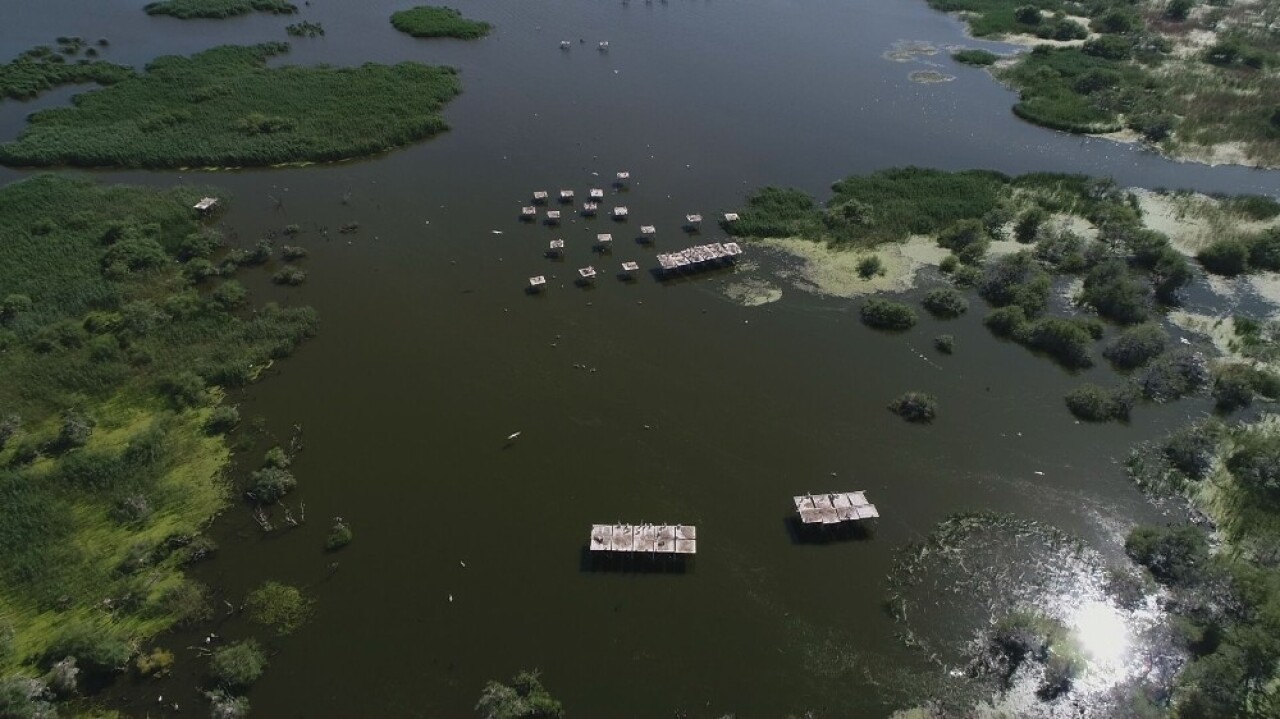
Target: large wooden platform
834 508
644 538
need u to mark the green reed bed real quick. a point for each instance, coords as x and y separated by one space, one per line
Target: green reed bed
432 21
40 69
224 107
217 9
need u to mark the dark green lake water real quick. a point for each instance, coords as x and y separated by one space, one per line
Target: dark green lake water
693 409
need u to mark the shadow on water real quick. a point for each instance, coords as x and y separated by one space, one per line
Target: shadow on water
620 563
822 534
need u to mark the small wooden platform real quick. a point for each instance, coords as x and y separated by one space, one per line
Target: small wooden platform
540 197
596 193
693 219
566 195
624 175
604 238
590 208
537 281
528 212
587 273
834 508
620 212
730 217
644 538
630 266
205 204
553 217
699 256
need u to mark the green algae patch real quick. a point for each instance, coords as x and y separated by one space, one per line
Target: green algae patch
225 108
433 21
217 9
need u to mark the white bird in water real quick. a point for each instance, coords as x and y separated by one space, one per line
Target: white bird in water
511 437
450 597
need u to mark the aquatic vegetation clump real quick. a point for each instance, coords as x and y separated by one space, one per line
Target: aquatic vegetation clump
523 697
977 57
217 9
237 665
224 107
282 607
1137 346
433 21
915 407
40 69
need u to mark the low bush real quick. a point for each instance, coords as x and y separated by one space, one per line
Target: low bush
1137 346
915 407
429 21
237 665
975 57
887 315
270 484
1175 556
870 266
1228 256
1092 403
945 302
279 606
945 344
217 9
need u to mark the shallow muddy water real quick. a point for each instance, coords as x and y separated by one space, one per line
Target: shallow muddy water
643 401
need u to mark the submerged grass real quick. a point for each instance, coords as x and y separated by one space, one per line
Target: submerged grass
433 21
111 374
225 107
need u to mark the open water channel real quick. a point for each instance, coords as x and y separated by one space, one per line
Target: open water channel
636 402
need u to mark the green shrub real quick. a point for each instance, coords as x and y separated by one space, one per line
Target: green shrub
968 239
1029 224
1233 386
1255 463
1092 403
1067 341
429 21
1254 207
222 419
270 484
1006 321
1191 449
96 648
524 698
1111 290
1137 346
1175 556
915 407
1227 256
777 212
870 266
887 315
289 275
945 344
945 302
237 665
340 535
1172 375
976 57
1016 279
1264 251
279 606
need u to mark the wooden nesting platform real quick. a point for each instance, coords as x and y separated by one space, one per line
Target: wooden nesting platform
693 219
644 538
590 208
564 44
596 193
699 257
834 508
537 281
620 212
604 238
623 175
630 266
540 197
205 204
553 217
587 273
566 196
730 217
528 212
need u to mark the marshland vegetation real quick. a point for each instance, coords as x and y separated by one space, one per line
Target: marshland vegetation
217 9
43 68
225 107
115 361
435 21
1198 80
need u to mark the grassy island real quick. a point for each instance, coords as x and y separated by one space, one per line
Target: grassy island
42 68
1198 80
226 108
432 21
112 373
217 9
